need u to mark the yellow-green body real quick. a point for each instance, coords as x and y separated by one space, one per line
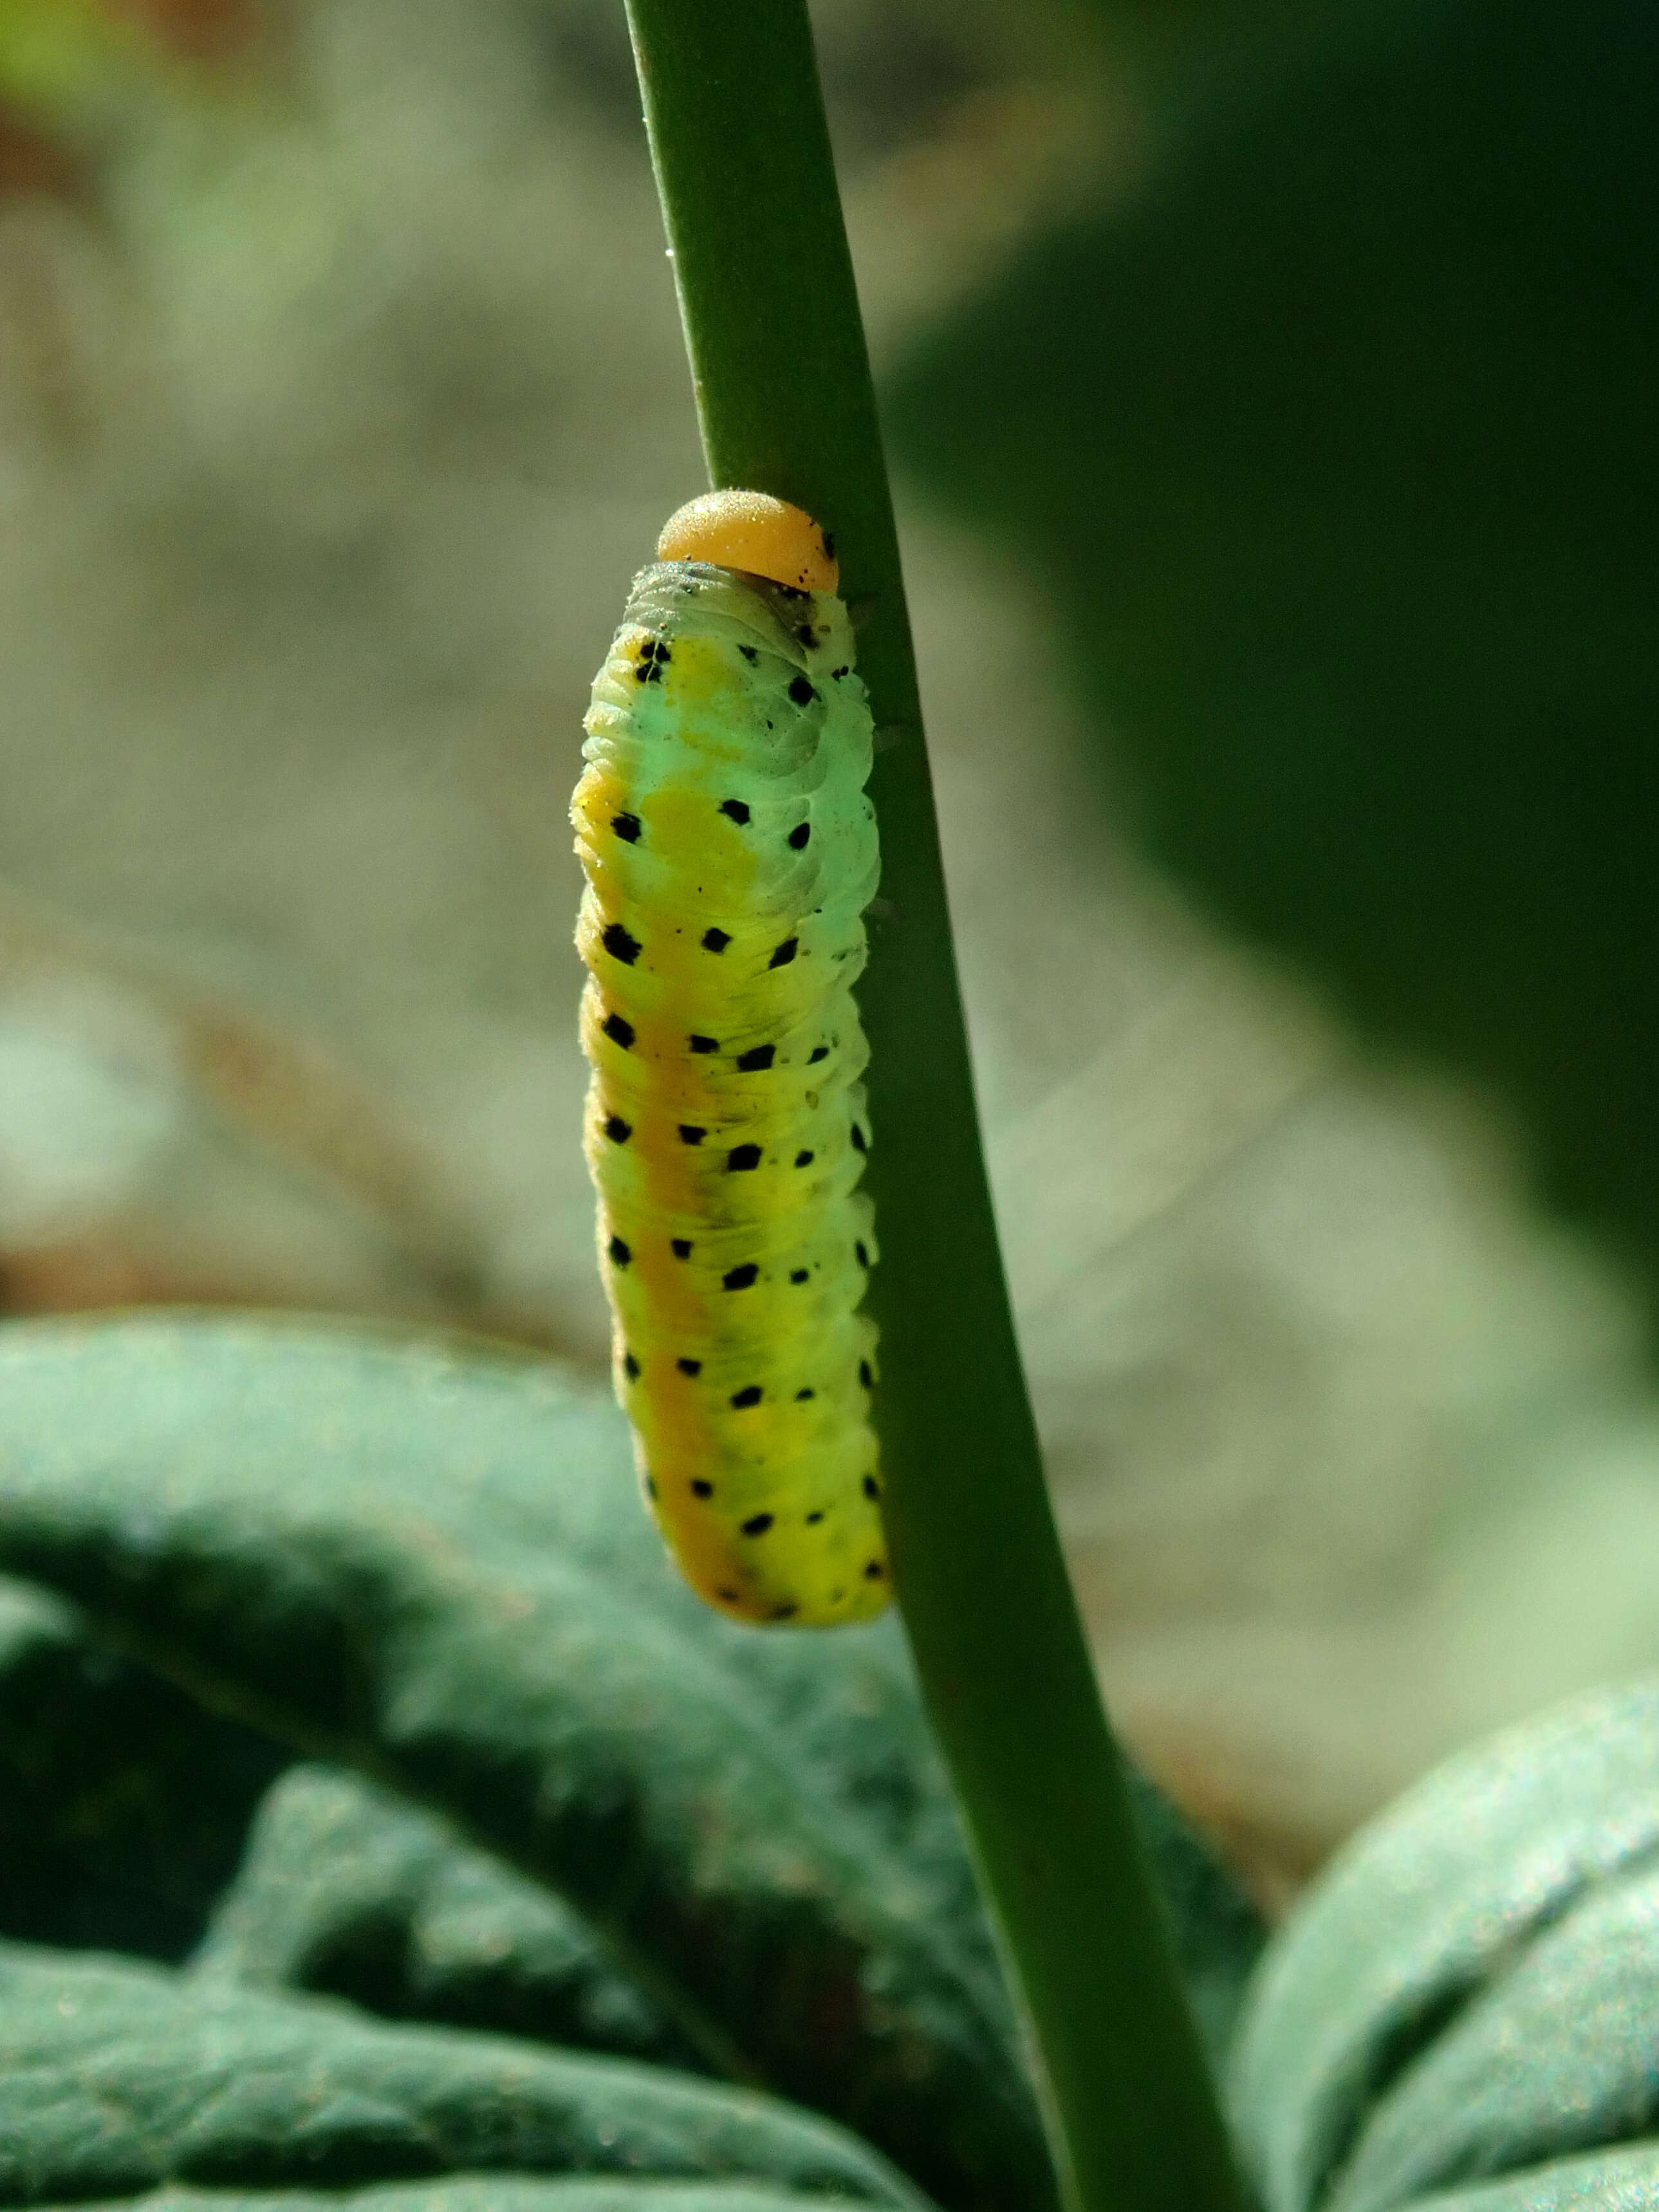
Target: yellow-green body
730 853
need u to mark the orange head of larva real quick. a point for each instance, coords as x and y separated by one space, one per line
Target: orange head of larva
753 532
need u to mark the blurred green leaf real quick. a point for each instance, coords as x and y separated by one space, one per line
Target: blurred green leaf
117 2079
1471 1991
433 1568
1336 446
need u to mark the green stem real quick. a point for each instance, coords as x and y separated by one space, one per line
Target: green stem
785 398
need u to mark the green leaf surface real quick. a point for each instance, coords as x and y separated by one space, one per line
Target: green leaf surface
123 1804
350 1891
474 2193
560 1798
116 2079
436 1568
1473 1990
1613 2181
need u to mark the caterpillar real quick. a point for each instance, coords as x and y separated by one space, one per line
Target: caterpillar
730 852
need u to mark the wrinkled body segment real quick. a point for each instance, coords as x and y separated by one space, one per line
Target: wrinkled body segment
730 853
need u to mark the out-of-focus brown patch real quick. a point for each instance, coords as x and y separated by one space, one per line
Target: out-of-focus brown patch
99 1271
201 30
35 162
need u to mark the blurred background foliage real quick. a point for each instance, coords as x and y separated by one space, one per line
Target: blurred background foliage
1266 386
1337 447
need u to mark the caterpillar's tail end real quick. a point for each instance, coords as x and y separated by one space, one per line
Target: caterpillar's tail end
752 531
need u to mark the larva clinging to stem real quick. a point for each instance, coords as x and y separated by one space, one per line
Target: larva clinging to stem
730 853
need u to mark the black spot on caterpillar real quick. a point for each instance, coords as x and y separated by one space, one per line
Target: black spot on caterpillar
716 911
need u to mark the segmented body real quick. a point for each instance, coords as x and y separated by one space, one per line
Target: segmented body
730 853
